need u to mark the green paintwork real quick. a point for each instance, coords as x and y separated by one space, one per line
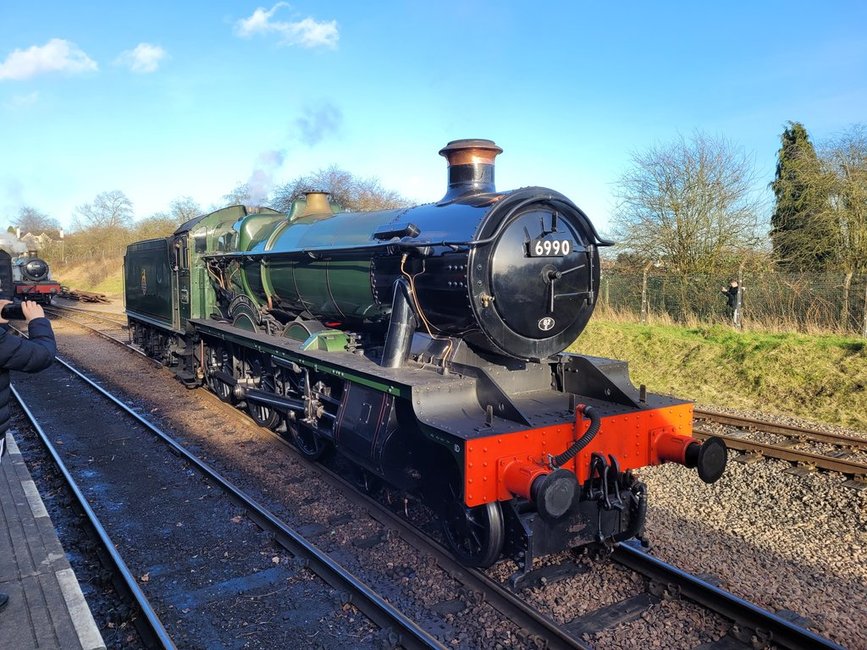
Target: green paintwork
177 286
259 230
149 280
279 272
334 368
327 340
218 231
329 288
257 227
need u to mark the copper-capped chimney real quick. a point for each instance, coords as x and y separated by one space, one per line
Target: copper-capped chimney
471 167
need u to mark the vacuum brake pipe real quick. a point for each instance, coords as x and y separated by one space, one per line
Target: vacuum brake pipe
583 441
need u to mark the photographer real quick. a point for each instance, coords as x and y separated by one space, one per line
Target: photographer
733 302
27 355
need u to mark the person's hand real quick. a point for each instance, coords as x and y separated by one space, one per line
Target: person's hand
3 303
32 310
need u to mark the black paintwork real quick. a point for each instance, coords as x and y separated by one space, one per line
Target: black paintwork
7 290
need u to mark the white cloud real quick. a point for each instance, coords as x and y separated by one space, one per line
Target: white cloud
143 58
57 55
306 33
259 22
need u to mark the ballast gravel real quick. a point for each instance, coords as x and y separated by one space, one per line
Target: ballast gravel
781 541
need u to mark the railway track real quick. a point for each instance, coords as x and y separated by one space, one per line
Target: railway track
541 630
535 627
76 458
834 452
113 316
109 325
148 624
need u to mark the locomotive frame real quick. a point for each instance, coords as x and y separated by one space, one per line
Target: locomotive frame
425 345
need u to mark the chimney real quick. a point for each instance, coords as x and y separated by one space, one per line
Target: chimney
471 167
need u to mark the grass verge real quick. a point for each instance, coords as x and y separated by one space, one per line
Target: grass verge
821 377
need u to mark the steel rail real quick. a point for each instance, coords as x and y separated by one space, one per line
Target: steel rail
841 465
105 317
499 597
781 429
367 600
157 632
724 603
767 625
107 337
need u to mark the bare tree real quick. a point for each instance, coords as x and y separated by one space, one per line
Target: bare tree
351 192
106 221
32 220
162 224
184 208
844 160
690 204
109 210
158 225
240 195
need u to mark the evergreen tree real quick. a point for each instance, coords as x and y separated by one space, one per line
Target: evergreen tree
799 233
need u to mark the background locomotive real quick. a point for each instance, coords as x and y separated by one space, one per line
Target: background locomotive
424 344
31 278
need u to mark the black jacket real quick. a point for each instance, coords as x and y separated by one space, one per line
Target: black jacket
731 297
28 355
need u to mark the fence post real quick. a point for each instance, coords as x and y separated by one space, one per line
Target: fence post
844 311
738 316
864 325
644 293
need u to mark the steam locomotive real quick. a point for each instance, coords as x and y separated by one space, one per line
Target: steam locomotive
31 277
424 344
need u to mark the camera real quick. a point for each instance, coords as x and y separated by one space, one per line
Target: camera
12 311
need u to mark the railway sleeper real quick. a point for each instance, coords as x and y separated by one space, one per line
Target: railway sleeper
624 611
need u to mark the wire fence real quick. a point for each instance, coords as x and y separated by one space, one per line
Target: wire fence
776 301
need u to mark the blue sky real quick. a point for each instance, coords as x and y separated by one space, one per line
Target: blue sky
165 99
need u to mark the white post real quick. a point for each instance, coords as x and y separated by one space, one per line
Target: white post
644 293
864 326
844 311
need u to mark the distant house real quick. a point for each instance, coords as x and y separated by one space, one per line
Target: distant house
36 242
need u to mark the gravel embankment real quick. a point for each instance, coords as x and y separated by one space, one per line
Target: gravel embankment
782 541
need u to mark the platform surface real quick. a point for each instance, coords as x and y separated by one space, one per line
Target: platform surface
46 606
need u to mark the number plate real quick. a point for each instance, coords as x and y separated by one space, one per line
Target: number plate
549 247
